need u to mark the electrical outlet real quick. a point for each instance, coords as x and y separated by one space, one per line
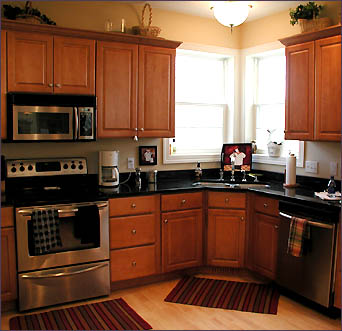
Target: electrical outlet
130 162
311 166
333 168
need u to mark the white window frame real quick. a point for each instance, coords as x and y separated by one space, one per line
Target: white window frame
228 113
263 158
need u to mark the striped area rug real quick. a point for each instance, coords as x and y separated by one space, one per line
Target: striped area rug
214 293
106 315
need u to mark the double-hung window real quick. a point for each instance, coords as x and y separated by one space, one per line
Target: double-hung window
204 87
265 81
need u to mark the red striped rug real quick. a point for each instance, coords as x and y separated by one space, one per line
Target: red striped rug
106 315
214 293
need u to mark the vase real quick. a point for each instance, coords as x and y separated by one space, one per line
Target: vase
273 149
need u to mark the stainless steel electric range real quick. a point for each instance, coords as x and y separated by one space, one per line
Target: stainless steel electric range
62 232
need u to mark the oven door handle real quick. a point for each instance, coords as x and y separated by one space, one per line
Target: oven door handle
316 224
64 274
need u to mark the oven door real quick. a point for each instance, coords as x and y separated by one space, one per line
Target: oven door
43 123
81 240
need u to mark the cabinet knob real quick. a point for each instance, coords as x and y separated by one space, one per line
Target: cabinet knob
276 227
226 200
135 129
265 205
133 205
50 85
183 201
165 221
242 218
142 129
58 85
134 264
134 231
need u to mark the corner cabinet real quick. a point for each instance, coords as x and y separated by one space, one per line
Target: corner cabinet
45 63
313 85
136 90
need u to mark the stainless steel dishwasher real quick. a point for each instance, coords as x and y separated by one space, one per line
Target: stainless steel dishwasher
313 274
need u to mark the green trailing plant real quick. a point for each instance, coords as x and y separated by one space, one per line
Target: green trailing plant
12 12
308 11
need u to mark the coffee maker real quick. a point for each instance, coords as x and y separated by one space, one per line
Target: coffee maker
108 168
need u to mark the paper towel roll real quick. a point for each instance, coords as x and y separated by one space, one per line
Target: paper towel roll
290 170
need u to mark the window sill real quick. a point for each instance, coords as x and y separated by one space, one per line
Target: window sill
276 160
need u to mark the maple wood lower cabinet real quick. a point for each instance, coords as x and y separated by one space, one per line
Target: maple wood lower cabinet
8 256
182 222
265 225
226 229
134 237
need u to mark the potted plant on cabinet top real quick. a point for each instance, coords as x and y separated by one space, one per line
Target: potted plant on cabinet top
307 17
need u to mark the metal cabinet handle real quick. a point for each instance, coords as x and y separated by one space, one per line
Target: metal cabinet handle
165 221
50 85
183 201
133 205
242 218
134 264
134 231
58 85
265 205
141 129
226 200
276 227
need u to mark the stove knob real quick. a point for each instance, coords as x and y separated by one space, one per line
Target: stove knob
30 168
73 166
22 168
80 167
13 169
65 166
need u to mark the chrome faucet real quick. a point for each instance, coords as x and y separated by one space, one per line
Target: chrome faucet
138 178
232 179
244 175
221 175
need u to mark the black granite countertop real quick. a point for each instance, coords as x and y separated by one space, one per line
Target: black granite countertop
183 181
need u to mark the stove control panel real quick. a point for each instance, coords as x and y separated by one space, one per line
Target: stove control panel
46 167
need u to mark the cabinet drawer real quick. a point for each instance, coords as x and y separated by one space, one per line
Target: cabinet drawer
132 262
181 201
132 205
7 217
132 231
266 205
226 200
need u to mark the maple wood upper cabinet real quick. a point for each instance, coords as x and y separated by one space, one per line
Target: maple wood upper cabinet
313 85
39 62
136 90
3 86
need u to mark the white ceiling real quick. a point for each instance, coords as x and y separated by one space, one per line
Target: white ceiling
202 8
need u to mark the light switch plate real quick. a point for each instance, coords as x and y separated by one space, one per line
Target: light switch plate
333 168
311 166
130 162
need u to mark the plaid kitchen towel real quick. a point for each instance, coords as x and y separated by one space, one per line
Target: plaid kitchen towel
299 233
46 233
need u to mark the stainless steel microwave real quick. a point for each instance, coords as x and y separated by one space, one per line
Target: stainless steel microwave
46 117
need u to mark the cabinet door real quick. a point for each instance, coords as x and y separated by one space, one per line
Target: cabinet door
156 116
328 89
181 239
30 62
226 238
74 65
116 89
300 89
8 265
3 86
265 244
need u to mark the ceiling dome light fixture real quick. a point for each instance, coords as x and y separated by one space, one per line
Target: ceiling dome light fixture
231 13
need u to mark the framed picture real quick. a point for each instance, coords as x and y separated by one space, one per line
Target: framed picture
147 155
239 154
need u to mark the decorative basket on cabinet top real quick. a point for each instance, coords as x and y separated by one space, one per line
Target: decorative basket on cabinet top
151 31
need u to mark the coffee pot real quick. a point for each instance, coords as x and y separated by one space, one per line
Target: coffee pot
108 168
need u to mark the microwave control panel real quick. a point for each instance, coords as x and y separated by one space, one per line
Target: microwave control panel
46 167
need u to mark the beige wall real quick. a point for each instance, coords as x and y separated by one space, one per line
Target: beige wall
92 15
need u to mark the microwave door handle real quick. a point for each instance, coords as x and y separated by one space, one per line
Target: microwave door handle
76 135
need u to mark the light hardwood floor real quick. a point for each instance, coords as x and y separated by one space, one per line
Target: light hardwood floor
148 302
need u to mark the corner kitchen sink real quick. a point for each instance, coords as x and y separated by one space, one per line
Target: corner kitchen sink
237 186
